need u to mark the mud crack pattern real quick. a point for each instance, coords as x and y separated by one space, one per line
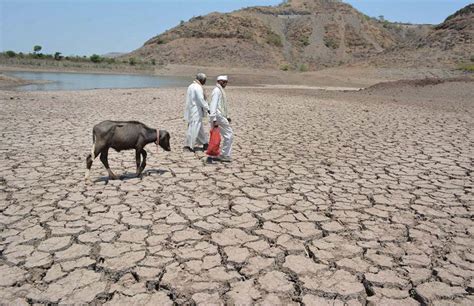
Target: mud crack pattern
327 202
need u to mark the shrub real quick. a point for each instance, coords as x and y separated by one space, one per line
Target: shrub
303 68
330 43
110 60
96 58
132 61
57 56
467 68
305 40
10 53
472 58
153 61
285 67
274 39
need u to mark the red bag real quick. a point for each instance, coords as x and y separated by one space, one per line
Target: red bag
214 142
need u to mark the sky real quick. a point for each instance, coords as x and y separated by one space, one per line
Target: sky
85 27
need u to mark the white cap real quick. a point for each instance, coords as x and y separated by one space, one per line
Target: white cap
222 78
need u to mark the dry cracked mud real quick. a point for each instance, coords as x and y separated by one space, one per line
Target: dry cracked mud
332 199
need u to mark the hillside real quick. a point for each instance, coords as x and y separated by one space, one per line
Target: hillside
309 34
447 44
301 34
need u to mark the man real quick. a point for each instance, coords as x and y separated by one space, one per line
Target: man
219 116
196 108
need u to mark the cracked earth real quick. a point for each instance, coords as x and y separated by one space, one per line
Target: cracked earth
332 199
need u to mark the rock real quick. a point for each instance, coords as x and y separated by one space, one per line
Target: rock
80 286
232 236
207 299
340 283
386 278
54 244
237 254
431 291
243 293
302 265
275 281
158 298
11 275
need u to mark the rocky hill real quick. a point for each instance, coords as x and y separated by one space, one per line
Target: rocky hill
455 33
300 34
449 43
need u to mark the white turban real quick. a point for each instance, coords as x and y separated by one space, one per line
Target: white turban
222 78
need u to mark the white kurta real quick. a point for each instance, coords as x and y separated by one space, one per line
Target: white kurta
196 108
219 113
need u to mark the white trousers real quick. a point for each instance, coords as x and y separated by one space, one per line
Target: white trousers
227 134
195 134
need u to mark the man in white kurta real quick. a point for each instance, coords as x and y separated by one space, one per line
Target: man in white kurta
196 108
219 116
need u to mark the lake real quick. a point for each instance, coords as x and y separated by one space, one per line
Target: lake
84 81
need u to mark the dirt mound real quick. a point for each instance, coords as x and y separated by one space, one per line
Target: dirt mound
9 81
417 83
294 35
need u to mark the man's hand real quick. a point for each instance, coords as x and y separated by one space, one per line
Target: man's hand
228 119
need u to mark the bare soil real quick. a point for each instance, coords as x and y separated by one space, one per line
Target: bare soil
332 197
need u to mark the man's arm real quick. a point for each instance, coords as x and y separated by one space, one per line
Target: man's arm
214 103
201 102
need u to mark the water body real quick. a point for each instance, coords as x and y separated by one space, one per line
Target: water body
84 81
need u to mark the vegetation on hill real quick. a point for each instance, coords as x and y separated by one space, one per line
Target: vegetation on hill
310 34
450 43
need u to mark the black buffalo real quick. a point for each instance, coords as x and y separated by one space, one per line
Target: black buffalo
124 135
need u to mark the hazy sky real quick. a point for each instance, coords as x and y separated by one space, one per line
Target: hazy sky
84 27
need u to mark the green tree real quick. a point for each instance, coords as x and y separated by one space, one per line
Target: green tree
132 61
95 58
57 56
37 49
10 53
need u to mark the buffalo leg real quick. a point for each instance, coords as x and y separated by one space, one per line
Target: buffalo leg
88 165
143 165
105 161
137 158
